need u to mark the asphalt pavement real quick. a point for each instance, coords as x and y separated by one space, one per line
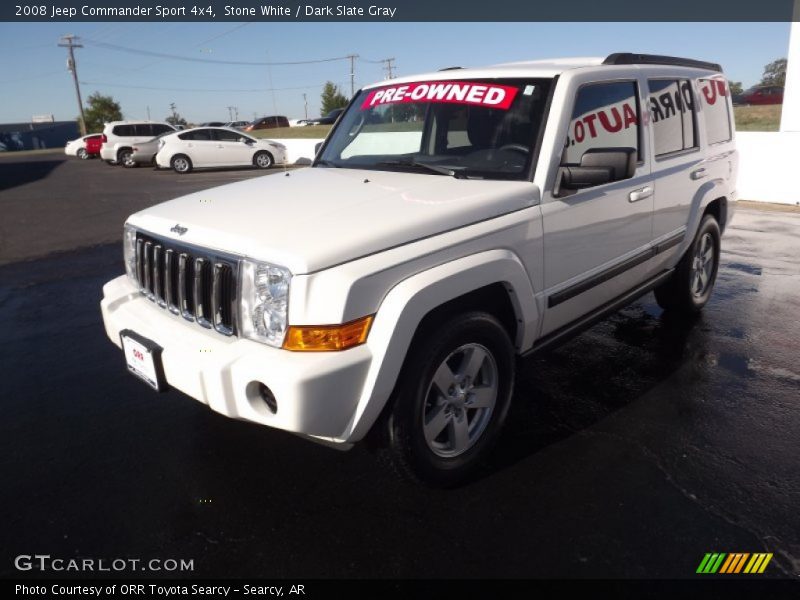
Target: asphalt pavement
631 451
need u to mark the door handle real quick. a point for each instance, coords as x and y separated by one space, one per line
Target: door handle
699 173
640 194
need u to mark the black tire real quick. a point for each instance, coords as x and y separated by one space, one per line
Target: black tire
691 285
420 405
181 163
124 158
263 160
110 163
83 154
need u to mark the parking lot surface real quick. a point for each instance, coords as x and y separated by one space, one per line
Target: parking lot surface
631 451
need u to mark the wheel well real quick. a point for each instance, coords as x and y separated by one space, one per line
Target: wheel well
493 299
122 149
719 210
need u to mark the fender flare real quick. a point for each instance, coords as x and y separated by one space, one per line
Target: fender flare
706 194
404 307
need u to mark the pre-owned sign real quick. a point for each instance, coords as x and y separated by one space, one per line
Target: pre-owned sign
456 92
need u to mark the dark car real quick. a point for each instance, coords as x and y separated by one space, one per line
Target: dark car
328 119
760 95
212 124
267 123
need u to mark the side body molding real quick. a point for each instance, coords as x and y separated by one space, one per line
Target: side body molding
406 305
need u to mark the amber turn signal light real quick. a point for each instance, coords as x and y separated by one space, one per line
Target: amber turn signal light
327 338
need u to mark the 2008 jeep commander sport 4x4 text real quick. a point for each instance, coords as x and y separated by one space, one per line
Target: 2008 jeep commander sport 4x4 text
450 222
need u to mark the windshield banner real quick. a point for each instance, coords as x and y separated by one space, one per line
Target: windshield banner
454 92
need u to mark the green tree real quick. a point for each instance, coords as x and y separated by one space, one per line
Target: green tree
100 110
775 73
735 87
332 98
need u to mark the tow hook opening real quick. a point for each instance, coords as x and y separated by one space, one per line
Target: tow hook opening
257 392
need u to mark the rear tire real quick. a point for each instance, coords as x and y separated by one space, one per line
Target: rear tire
451 400
181 163
83 154
125 158
689 288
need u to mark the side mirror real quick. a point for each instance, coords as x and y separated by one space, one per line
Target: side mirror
598 166
245 140
317 146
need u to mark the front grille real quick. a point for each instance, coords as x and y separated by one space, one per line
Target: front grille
188 281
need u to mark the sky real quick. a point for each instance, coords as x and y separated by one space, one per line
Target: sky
34 79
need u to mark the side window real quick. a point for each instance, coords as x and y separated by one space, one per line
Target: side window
189 135
672 113
226 136
714 99
604 116
203 135
159 129
123 130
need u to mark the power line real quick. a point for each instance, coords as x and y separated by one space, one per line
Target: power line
68 42
167 89
211 60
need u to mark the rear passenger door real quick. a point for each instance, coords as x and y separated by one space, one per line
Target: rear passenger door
596 239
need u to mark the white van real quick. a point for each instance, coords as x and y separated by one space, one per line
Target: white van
119 138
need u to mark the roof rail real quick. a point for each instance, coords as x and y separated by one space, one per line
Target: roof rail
629 58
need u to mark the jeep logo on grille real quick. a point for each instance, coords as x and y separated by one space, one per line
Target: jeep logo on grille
179 230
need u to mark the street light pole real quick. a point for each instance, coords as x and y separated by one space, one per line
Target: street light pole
68 42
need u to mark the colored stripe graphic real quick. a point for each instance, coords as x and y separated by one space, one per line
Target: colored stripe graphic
723 563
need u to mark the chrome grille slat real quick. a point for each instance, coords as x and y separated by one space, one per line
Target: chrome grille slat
217 299
198 284
148 275
201 312
140 261
169 274
183 300
158 275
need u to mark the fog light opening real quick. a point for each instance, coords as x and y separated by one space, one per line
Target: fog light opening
257 391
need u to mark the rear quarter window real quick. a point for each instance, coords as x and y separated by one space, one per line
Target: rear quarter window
714 94
672 114
123 130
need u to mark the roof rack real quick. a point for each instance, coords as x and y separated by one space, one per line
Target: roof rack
451 68
629 58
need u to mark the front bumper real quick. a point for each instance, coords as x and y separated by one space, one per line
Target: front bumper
316 393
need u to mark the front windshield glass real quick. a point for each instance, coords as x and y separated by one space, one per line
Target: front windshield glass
483 128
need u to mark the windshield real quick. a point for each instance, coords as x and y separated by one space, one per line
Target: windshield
483 128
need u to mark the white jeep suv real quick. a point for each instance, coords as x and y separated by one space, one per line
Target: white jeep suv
450 222
119 138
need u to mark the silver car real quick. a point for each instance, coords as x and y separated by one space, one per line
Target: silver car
144 153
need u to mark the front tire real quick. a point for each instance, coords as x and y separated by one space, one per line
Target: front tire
452 400
689 288
125 158
263 160
181 163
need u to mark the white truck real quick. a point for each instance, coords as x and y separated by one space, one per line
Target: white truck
450 222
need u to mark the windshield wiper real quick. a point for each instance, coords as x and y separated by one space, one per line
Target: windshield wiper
435 168
328 163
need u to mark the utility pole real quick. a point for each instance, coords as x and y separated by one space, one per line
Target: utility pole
235 113
148 113
352 58
305 104
388 67
68 42
174 114
230 113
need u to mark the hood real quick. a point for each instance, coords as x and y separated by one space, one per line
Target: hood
313 218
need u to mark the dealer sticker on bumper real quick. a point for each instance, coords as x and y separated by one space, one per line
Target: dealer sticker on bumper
143 358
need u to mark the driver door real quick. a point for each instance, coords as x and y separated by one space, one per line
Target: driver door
232 151
597 239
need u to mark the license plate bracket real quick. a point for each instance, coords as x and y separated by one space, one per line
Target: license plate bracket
143 359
